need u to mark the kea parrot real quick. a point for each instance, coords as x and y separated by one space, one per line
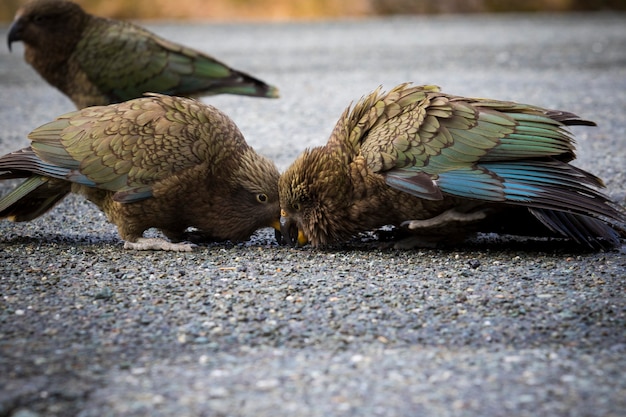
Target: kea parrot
159 161
97 61
440 167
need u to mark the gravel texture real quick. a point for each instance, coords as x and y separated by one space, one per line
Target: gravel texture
499 327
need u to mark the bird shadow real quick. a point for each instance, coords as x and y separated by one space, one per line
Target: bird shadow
61 239
260 238
384 240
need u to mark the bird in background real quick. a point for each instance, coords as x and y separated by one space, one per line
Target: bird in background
160 161
439 167
99 61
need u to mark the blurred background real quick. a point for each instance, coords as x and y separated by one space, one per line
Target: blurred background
281 10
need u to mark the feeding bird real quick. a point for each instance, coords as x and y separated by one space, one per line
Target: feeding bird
160 161
99 61
440 167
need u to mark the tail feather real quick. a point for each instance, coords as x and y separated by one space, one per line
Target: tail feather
44 185
585 230
562 197
32 198
569 119
25 162
244 84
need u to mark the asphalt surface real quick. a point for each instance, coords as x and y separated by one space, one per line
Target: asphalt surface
498 327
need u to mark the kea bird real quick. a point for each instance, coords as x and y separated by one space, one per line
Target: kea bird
439 167
166 162
97 61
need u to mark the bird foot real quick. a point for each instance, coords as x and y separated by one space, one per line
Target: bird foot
444 219
158 244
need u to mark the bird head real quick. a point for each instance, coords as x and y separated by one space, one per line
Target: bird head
313 192
48 24
254 192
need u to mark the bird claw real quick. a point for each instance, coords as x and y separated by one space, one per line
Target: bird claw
158 244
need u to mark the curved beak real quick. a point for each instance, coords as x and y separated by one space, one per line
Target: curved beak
277 234
289 232
15 32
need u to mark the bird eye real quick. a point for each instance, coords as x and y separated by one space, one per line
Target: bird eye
39 18
261 198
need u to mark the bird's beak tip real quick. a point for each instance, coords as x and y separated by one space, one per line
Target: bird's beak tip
14 34
289 233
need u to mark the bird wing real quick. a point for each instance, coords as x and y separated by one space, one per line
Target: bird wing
359 128
421 128
431 144
125 60
126 148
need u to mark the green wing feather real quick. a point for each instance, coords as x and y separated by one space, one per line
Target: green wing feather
129 147
422 127
124 61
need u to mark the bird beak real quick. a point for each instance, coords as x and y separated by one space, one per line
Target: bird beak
289 232
277 235
15 32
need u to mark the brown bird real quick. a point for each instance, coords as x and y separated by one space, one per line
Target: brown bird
97 61
166 162
441 166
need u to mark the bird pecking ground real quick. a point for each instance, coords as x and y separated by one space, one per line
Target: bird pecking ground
500 326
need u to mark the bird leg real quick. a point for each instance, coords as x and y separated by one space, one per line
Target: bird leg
158 244
444 219
449 227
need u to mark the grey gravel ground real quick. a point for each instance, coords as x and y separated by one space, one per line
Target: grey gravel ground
499 327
